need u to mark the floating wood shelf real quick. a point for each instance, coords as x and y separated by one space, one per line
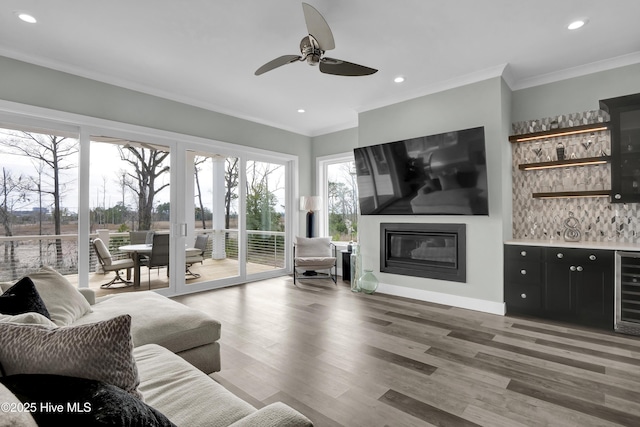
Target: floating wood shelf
565 163
553 133
571 194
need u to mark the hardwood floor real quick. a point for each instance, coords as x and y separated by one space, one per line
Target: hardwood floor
346 359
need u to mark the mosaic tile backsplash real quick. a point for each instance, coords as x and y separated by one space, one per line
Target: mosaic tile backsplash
598 219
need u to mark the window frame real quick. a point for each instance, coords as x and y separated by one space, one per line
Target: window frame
322 187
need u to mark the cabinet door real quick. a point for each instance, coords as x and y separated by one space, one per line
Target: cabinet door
625 147
594 295
558 295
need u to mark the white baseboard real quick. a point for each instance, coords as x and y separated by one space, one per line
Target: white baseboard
445 299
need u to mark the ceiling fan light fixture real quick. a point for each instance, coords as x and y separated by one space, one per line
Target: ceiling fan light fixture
301 110
399 79
26 17
577 24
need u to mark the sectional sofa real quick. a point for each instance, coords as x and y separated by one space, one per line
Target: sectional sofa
132 355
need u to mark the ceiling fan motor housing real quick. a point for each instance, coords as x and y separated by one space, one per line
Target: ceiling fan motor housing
310 50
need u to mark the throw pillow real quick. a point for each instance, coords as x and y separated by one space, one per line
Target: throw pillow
28 318
100 351
64 302
68 401
23 298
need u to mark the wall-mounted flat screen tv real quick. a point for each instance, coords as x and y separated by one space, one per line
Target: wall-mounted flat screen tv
444 174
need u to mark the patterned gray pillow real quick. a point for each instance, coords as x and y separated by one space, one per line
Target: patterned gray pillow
100 351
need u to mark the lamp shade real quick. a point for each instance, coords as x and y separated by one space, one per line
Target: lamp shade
313 203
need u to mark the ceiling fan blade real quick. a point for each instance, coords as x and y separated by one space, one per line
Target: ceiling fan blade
344 68
278 62
318 27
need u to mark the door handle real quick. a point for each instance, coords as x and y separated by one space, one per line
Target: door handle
579 268
573 268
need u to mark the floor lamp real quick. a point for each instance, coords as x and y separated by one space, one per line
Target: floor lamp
312 204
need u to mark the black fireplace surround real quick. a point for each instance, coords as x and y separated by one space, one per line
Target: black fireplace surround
436 251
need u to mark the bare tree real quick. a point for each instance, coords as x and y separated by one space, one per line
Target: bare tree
53 151
148 167
12 194
197 162
231 184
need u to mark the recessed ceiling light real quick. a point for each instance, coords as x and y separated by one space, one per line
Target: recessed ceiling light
300 110
27 18
399 79
576 24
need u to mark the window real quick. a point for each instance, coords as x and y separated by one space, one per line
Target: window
338 187
39 193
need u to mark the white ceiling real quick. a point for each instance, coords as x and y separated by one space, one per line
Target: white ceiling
204 52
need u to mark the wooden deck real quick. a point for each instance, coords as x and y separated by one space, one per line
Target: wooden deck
209 270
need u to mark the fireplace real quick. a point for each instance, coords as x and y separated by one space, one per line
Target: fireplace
436 251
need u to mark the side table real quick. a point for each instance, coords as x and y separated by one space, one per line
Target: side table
346 266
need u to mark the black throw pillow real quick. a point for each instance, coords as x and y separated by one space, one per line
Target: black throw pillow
56 400
23 297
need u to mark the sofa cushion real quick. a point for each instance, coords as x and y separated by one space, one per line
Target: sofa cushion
83 402
29 318
276 414
62 299
100 351
317 262
13 418
23 298
184 394
161 321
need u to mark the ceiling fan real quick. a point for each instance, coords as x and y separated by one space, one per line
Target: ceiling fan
313 46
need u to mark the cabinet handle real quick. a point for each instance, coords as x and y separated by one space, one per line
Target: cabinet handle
523 272
617 196
592 257
523 296
579 268
572 268
523 253
560 255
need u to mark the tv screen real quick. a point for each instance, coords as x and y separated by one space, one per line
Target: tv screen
444 174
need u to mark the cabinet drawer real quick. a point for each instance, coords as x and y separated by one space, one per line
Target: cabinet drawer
523 272
578 256
522 297
526 253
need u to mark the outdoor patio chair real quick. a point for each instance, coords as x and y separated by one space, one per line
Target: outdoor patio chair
159 256
193 257
109 264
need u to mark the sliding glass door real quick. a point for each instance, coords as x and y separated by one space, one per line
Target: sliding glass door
223 210
130 212
235 219
265 208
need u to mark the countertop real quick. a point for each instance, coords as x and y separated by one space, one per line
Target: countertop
613 246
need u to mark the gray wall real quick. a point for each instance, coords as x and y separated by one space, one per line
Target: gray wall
478 104
43 87
574 95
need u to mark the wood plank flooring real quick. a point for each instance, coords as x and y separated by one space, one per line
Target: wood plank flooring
346 359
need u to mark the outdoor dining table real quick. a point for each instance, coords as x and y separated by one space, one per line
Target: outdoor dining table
145 249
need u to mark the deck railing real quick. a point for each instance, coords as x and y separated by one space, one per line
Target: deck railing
20 255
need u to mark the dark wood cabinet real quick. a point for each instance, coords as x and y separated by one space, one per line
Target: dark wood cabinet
523 272
625 147
573 285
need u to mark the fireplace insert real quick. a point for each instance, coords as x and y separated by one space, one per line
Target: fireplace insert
436 251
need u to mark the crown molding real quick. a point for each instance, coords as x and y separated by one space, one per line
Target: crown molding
582 70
